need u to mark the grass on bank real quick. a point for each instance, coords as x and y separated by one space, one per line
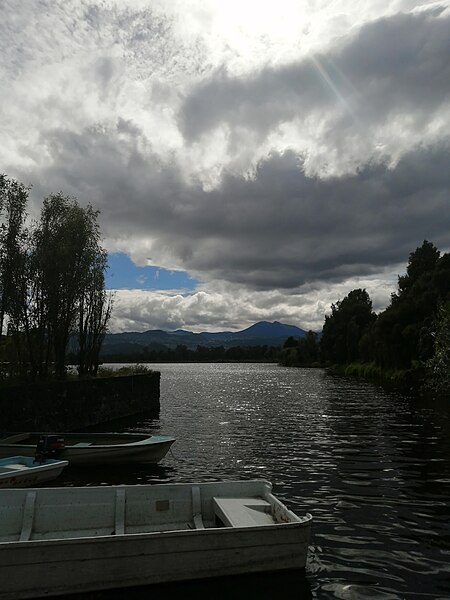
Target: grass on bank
374 372
8 378
136 369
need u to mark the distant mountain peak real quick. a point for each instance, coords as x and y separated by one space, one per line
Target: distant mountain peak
274 329
261 333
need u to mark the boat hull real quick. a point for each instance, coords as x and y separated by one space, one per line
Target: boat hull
21 472
139 449
130 536
83 565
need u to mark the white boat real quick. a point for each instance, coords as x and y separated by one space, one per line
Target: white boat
70 540
90 448
24 471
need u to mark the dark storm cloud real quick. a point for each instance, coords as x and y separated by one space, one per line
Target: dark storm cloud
391 67
284 228
154 116
280 229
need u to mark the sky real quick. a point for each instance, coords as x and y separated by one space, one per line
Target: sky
251 160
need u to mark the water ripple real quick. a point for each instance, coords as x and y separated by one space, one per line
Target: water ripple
372 467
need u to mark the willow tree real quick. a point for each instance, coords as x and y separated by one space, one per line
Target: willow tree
13 199
94 311
68 263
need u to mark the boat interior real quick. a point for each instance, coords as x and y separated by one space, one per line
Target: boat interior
58 513
76 439
13 467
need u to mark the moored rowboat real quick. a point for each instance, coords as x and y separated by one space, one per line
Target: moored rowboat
24 471
92 448
70 540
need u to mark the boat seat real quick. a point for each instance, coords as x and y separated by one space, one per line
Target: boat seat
28 517
197 508
119 528
15 467
243 512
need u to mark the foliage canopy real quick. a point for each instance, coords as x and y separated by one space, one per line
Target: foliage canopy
412 334
51 284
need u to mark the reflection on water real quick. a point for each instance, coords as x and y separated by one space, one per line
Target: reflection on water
260 586
372 467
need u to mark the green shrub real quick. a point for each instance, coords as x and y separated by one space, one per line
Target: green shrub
136 369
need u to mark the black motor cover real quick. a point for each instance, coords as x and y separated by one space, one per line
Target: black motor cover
49 446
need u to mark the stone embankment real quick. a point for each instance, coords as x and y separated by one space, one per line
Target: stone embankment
77 404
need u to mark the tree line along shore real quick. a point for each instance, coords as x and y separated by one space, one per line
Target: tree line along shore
52 292
408 342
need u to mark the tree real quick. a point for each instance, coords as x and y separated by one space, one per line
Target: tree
421 262
94 312
69 264
403 332
439 365
344 328
51 282
291 342
13 199
300 352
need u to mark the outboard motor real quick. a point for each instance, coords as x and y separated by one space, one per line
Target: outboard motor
49 446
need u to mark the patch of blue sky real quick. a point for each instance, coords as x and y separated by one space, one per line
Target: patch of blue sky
122 273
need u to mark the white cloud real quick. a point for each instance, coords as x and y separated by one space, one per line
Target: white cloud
221 307
282 150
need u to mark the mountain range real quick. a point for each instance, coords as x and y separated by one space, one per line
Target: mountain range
259 334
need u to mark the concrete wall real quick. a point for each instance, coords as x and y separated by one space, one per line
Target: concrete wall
72 405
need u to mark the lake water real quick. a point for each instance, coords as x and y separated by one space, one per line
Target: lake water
372 467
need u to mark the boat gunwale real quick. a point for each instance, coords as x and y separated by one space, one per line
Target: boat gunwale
145 441
48 462
262 489
130 537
